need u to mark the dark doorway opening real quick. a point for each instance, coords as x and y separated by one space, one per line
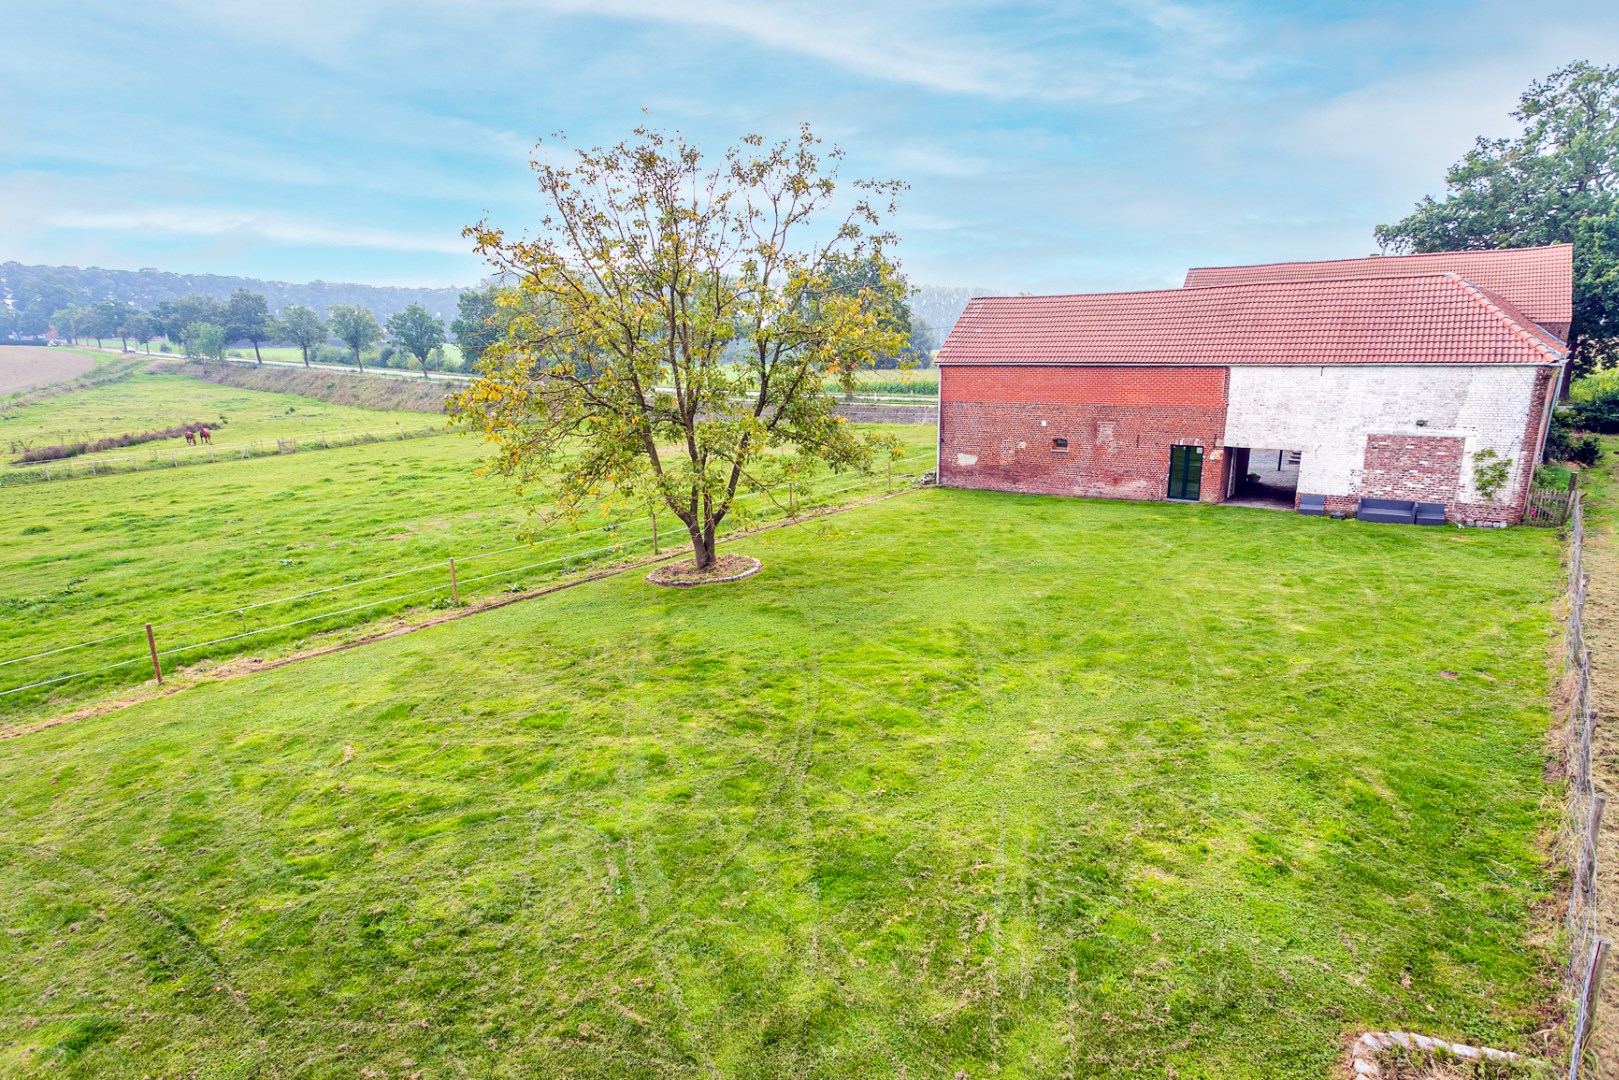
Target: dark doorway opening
1263 477
1185 473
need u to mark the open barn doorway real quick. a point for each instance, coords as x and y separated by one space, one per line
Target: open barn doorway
1263 477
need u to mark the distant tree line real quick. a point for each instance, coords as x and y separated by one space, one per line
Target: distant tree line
327 322
147 288
205 327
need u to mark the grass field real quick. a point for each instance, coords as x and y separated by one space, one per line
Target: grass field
921 382
88 559
293 353
961 784
155 402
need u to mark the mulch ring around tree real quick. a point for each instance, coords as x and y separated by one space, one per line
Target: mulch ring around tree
685 575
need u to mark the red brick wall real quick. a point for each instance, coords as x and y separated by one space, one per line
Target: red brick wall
1421 468
1119 423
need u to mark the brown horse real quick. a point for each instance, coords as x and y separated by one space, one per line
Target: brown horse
191 438
202 433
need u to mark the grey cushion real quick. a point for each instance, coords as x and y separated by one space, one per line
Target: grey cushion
1314 505
1391 511
1430 513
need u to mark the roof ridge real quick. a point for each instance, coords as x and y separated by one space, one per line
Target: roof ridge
1366 258
1499 307
1181 290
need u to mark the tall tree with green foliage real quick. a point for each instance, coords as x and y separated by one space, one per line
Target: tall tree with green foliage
416 331
205 340
479 321
680 319
1555 182
247 316
863 274
140 326
355 327
303 327
66 322
173 316
102 320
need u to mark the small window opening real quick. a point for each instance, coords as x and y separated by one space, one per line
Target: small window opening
1059 446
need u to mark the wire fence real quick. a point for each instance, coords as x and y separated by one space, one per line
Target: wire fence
922 388
142 651
174 457
1582 821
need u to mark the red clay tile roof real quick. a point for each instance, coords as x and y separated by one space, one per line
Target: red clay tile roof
1423 319
1540 281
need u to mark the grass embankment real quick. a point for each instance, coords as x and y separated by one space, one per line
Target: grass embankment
143 402
94 558
293 355
987 785
339 388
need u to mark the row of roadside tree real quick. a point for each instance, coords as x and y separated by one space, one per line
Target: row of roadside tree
205 327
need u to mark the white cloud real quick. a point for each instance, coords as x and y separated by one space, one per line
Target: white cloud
208 222
1054 54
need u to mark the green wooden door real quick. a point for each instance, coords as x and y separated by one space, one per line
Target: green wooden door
1185 472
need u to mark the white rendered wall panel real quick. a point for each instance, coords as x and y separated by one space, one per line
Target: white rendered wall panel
1327 412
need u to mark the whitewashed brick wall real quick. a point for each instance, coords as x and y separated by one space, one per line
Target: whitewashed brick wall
1327 412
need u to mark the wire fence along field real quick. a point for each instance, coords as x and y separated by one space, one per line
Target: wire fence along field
174 457
144 651
1582 822
871 389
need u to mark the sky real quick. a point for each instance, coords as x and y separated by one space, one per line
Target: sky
1061 147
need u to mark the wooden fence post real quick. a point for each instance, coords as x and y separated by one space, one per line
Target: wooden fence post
1586 871
654 515
455 592
789 498
890 475
151 645
1588 998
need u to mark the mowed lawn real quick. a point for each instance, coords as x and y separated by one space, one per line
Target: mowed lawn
961 784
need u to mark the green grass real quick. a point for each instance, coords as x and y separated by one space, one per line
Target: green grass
154 402
922 382
452 353
1591 386
87 559
962 783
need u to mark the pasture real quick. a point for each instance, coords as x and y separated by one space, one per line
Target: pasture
221 550
145 402
961 784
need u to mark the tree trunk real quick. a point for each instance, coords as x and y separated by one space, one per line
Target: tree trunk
306 355
256 355
357 359
424 367
702 547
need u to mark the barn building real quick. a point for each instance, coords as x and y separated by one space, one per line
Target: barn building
1313 385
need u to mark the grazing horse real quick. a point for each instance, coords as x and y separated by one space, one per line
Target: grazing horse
202 433
191 438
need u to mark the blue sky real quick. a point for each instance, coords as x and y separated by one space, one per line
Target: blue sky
1049 147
